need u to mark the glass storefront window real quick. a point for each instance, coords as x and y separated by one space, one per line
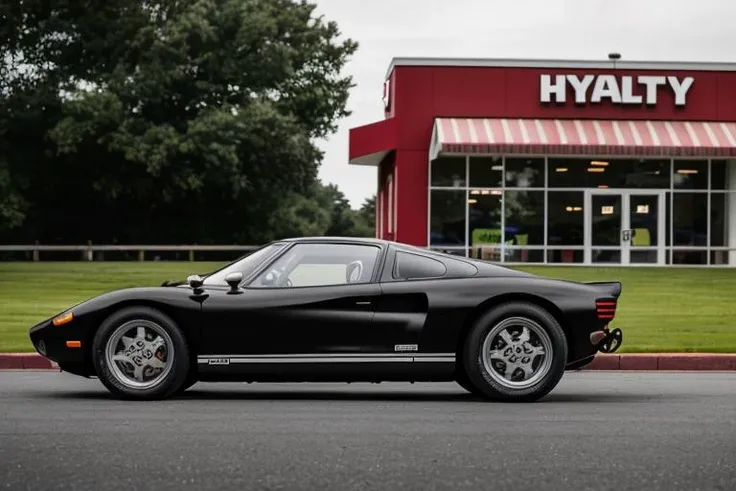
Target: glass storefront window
565 256
723 258
447 217
500 203
690 174
448 172
524 211
721 174
690 219
524 172
722 231
565 218
485 172
688 256
524 255
608 173
484 223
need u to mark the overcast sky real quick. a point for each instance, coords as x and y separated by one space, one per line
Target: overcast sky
676 30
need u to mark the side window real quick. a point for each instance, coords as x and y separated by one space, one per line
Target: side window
413 266
320 265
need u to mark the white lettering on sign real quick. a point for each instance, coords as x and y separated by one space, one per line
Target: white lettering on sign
621 90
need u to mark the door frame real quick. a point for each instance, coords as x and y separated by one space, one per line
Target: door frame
625 245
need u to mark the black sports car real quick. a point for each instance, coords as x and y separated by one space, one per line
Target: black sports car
339 310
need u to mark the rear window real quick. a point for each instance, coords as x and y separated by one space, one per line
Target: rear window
413 266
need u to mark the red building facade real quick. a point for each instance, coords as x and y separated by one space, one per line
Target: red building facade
557 161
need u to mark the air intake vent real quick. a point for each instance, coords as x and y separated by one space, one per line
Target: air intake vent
605 308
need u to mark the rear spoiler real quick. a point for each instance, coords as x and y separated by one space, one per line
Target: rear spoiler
611 288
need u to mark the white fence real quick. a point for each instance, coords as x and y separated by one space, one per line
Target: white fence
88 251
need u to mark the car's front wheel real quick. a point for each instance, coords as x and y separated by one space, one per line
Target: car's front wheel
515 352
140 353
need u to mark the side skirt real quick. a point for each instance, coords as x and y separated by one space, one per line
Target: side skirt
340 367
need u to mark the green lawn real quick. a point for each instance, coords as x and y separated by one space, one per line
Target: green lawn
660 309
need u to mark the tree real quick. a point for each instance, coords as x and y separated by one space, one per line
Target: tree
321 209
368 211
165 121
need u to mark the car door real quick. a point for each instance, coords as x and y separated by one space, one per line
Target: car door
403 308
309 302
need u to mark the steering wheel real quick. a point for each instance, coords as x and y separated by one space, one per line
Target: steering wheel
276 278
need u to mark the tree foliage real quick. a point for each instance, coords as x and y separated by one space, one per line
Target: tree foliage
168 121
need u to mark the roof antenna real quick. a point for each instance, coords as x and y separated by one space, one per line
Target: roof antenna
613 57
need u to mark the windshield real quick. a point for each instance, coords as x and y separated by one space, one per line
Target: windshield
245 265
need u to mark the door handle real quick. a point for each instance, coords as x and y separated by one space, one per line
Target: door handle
626 235
363 302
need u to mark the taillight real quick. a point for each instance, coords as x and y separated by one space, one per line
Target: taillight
606 309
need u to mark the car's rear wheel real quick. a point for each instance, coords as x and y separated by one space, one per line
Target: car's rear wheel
515 352
140 353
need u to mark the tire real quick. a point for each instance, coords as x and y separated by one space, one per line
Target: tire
166 352
463 381
188 383
488 373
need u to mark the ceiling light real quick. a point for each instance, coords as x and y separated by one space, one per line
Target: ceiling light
496 167
596 169
603 186
569 208
472 201
687 171
561 169
577 208
598 162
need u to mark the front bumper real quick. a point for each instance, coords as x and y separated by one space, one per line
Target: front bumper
64 344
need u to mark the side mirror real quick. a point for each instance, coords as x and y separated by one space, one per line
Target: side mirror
234 279
195 281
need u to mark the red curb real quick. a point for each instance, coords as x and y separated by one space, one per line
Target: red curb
639 362
28 361
664 361
604 362
692 361
11 361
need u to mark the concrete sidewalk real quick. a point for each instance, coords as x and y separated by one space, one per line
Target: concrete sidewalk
625 361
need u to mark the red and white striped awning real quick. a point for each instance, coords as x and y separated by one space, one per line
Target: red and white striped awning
466 136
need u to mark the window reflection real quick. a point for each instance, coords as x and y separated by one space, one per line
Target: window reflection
690 219
448 172
524 172
565 256
720 203
484 227
719 173
524 212
485 171
565 218
690 174
447 220
608 173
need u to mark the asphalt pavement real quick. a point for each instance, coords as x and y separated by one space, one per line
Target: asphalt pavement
597 430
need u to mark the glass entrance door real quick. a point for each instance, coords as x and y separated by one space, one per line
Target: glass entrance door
624 227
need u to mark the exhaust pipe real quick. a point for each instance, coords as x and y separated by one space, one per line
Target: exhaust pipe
597 337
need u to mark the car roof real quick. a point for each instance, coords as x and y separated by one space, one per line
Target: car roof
366 240
485 268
